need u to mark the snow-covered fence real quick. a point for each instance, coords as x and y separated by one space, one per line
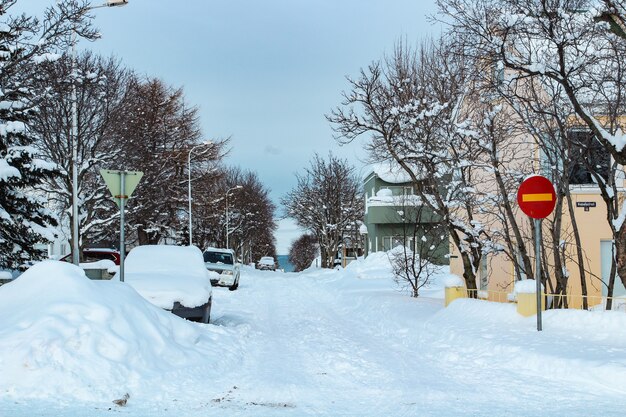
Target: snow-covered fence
524 296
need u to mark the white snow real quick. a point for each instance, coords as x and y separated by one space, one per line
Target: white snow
7 171
526 286
391 172
318 343
101 264
452 281
63 336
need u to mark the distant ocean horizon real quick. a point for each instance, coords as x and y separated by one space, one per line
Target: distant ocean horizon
283 263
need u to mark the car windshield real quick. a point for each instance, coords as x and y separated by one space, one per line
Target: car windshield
218 257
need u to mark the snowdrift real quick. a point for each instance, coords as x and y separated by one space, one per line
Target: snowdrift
65 336
571 347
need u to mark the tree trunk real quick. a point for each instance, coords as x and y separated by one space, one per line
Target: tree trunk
620 253
579 252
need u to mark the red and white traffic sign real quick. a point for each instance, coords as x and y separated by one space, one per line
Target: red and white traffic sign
536 197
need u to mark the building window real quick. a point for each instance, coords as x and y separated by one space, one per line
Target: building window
390 242
587 153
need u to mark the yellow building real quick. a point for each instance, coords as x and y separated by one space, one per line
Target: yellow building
497 274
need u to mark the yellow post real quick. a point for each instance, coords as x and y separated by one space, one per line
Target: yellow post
527 304
452 293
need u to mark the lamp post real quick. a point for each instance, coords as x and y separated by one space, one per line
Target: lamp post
189 182
236 187
75 245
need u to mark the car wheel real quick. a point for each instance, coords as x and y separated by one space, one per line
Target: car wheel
234 286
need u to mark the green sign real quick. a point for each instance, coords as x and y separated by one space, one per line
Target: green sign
114 183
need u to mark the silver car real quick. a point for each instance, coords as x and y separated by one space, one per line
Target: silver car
223 262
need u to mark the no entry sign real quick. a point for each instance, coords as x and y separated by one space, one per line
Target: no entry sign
536 197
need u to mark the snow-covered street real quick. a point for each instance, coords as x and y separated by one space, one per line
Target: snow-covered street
348 343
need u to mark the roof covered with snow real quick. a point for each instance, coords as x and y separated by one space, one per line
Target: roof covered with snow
389 171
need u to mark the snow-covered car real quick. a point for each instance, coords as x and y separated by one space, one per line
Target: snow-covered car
222 262
266 263
171 277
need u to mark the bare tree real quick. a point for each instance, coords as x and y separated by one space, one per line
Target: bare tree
411 106
303 252
251 214
414 262
159 129
101 88
327 202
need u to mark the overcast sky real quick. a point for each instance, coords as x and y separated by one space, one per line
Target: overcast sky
261 72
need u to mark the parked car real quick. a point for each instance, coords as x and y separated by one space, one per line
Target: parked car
96 254
266 263
171 277
222 262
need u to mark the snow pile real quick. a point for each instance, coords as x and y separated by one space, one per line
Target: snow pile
65 336
107 264
452 281
526 286
376 266
165 274
571 347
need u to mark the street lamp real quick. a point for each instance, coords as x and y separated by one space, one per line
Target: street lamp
75 245
189 182
236 187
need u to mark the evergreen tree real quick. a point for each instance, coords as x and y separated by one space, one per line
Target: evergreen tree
25 42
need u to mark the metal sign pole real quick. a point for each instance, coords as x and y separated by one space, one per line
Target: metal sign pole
538 270
122 199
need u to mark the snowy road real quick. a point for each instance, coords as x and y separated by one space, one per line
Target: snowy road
328 344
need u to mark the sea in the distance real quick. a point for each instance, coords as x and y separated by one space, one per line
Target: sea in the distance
283 263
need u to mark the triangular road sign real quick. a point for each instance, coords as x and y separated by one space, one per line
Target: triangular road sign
113 182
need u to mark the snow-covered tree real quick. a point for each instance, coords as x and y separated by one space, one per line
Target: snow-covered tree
327 201
25 43
567 43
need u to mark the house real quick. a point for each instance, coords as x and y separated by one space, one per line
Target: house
395 215
499 271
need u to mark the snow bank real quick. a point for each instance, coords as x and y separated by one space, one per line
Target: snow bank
101 264
375 266
572 345
65 336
